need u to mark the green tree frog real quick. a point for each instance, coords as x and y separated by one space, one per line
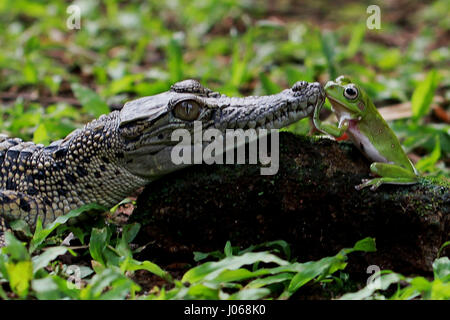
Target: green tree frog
362 122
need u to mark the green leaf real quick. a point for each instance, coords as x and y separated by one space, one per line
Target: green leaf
40 234
120 286
441 269
130 231
356 40
268 85
19 276
98 243
90 100
426 164
228 249
201 291
46 257
261 282
384 282
40 135
446 244
328 42
366 245
133 265
175 60
250 294
389 59
210 270
423 95
15 248
310 271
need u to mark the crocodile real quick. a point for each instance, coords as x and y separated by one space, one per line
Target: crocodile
112 156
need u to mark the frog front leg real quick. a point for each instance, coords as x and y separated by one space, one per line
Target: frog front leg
327 128
388 174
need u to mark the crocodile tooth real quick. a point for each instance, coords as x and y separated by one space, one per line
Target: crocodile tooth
251 124
277 123
277 113
303 104
312 99
241 124
292 115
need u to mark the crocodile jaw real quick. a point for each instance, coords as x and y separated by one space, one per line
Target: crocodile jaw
148 156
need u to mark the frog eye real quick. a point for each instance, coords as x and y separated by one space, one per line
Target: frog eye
351 93
188 110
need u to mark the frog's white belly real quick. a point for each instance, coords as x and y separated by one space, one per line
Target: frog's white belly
364 144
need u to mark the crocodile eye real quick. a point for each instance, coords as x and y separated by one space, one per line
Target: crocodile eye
351 93
187 110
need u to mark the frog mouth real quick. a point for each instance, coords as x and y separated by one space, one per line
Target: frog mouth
338 108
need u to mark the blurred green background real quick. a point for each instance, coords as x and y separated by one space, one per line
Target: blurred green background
54 79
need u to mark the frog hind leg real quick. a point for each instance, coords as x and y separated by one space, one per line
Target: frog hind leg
389 174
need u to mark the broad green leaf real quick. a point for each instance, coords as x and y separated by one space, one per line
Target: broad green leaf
389 59
46 257
119 283
426 164
261 282
228 249
201 291
446 244
15 248
366 245
98 243
356 39
90 100
41 134
175 60
40 234
133 265
120 289
423 95
210 270
130 231
384 282
440 290
268 85
441 269
234 275
46 289
21 226
19 276
311 270
329 46
250 294
123 84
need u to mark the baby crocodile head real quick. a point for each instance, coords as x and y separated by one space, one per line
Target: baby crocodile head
146 124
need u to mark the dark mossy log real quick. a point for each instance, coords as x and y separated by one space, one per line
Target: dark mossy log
311 203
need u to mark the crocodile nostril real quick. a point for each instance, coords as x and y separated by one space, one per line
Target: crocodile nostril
317 89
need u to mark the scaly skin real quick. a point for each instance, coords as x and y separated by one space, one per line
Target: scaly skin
116 154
